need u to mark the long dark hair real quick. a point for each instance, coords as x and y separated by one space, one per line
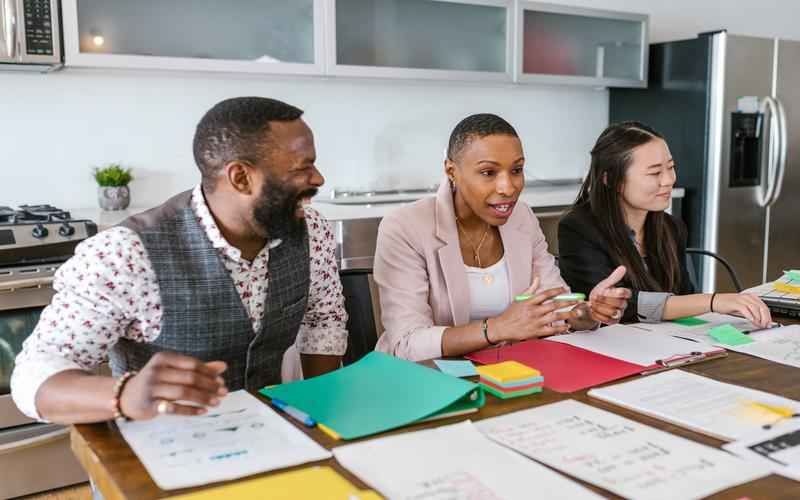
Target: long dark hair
601 192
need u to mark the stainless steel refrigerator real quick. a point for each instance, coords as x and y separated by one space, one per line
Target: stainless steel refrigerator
740 165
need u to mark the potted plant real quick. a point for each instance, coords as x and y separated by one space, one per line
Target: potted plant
112 190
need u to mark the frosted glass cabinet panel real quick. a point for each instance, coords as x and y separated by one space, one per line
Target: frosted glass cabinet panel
249 35
421 39
570 45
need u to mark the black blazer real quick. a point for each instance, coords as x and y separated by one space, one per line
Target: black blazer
585 260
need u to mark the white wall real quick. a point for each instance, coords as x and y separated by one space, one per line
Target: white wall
368 133
53 128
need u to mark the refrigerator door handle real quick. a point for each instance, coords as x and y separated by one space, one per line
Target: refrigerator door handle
781 152
768 103
8 34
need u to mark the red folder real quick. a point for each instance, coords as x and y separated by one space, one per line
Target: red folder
565 368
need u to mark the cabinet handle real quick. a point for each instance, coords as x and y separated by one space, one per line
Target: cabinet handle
11 286
35 441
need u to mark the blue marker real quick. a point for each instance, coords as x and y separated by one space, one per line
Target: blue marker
293 412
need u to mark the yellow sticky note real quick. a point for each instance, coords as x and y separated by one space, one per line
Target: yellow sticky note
787 287
508 371
320 482
781 411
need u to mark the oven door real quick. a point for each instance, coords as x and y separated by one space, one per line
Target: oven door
24 292
15 326
35 458
26 447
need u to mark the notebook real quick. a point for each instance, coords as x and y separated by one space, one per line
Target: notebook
779 301
378 393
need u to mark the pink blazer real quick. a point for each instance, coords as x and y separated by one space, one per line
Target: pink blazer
421 277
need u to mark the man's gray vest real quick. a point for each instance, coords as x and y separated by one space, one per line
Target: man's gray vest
202 313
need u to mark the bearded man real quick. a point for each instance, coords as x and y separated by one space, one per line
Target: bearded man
201 295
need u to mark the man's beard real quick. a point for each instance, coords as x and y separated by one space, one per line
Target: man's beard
274 213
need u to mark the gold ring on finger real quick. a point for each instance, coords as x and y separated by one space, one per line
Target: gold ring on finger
164 407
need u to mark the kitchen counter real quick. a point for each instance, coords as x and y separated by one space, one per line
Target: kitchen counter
355 226
539 198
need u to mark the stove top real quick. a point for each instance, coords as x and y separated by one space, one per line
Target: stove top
40 233
32 213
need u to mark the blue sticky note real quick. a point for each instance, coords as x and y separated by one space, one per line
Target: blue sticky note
456 368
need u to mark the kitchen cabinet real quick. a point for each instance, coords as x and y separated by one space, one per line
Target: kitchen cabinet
427 39
449 40
250 36
567 45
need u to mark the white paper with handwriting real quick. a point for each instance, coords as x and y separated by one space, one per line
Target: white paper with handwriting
702 404
241 436
618 454
453 462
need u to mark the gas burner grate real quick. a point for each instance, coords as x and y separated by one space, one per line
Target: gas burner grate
7 215
41 213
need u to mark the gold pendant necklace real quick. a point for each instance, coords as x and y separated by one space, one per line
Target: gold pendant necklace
476 250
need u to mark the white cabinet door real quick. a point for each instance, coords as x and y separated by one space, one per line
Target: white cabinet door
253 36
436 39
561 44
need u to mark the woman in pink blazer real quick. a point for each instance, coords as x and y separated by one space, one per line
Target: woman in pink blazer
449 267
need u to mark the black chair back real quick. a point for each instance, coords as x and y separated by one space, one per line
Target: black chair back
363 311
693 272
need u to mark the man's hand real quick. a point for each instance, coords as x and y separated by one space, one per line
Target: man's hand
170 377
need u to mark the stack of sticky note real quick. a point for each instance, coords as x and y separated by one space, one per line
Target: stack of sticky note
790 283
510 379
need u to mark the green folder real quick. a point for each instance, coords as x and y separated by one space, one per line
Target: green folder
378 393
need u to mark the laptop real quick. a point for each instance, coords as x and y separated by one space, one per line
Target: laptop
780 303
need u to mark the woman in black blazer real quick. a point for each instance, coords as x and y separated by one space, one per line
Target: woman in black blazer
619 218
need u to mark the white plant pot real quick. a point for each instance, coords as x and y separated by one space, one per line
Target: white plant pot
113 198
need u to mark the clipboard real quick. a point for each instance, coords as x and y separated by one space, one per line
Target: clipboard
677 360
652 352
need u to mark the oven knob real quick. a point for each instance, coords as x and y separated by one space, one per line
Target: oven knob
39 232
66 230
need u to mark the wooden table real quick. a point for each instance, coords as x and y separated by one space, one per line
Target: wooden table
119 474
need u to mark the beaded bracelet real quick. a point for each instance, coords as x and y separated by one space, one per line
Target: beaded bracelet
116 400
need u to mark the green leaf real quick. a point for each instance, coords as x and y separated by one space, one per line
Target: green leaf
112 175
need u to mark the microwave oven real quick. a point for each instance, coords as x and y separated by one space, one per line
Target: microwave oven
30 35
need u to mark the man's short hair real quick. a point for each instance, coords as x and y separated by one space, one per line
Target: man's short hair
236 129
475 127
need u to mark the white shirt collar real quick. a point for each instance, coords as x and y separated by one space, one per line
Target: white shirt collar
206 220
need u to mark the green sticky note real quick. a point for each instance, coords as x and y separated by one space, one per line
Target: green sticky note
378 393
793 275
728 335
690 321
